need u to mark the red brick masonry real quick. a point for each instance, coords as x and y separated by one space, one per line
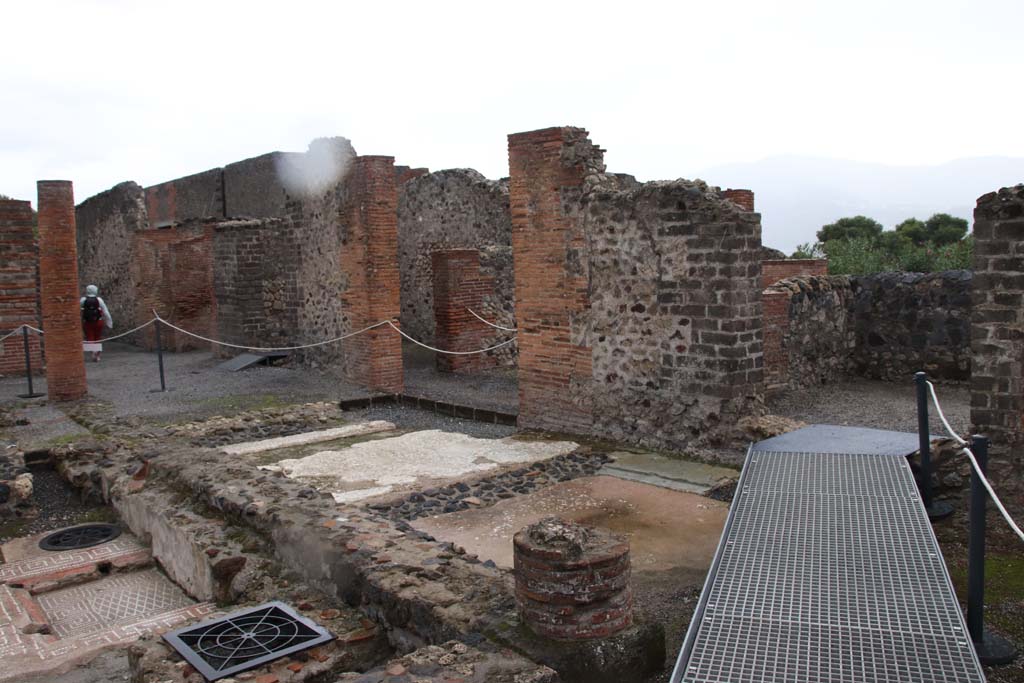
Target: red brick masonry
458 287
19 303
773 270
572 582
58 279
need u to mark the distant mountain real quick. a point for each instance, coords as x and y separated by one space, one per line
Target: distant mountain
797 195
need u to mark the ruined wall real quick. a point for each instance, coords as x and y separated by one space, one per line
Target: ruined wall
19 295
174 267
255 283
253 188
638 305
885 326
107 224
675 312
997 325
906 322
451 209
808 333
773 270
200 195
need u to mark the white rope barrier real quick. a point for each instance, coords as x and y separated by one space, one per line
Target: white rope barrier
125 334
450 353
18 329
974 464
488 322
275 348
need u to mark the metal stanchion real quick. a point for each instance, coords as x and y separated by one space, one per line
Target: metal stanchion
936 509
160 355
28 365
992 648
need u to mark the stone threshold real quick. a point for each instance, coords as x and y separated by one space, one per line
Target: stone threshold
431 405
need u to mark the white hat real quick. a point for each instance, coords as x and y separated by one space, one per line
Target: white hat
92 290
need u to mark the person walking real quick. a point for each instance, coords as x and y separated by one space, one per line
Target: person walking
95 317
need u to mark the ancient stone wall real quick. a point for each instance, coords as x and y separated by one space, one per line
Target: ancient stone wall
107 223
907 322
58 288
675 312
885 326
743 198
19 294
255 283
997 322
253 187
174 267
639 306
809 337
773 270
200 195
452 209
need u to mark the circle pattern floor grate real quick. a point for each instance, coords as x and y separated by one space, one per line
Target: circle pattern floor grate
84 536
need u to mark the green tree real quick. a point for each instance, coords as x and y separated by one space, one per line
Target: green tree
939 230
809 250
849 228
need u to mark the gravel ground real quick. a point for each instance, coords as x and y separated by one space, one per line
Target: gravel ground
58 505
865 403
406 418
495 389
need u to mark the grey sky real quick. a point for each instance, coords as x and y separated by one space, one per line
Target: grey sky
100 92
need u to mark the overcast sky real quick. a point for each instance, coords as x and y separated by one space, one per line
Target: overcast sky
100 92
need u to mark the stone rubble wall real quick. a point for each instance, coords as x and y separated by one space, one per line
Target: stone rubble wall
107 224
19 291
774 270
451 209
885 326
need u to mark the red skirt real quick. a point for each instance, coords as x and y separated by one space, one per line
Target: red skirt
93 330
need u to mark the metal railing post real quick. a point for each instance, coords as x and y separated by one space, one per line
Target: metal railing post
28 365
936 509
991 648
160 356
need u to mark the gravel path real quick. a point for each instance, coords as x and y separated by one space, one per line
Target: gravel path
496 389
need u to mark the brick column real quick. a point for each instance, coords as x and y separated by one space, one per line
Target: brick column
369 260
58 278
775 305
744 198
458 287
19 295
572 582
997 317
547 168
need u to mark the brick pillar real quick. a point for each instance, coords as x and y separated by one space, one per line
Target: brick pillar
58 279
458 287
744 198
997 317
19 295
369 260
547 169
572 581
775 305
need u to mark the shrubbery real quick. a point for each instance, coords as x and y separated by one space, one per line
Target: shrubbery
855 246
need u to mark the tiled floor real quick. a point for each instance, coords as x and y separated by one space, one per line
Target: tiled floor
115 600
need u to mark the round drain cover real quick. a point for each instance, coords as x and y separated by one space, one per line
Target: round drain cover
84 536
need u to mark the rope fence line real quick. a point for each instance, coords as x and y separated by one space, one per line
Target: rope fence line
450 353
974 464
488 322
18 329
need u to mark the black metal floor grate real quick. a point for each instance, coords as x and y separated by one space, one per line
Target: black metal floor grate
828 571
78 537
246 639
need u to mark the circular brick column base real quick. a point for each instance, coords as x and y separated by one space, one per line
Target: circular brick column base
572 582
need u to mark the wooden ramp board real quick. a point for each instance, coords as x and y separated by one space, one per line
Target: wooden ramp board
247 360
827 571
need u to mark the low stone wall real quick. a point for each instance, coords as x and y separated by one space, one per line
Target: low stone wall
886 326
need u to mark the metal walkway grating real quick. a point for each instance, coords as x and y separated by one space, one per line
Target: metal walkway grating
827 572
